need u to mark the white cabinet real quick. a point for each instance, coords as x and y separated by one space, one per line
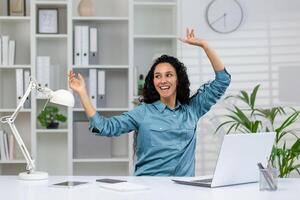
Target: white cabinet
130 34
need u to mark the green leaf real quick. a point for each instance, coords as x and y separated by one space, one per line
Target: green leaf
296 148
253 96
244 97
223 124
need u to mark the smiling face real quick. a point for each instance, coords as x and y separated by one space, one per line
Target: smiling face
165 82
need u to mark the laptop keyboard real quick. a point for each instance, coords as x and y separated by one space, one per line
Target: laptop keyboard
203 180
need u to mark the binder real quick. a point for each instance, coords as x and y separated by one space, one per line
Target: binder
11 54
101 100
19 85
93 55
27 103
2 150
1 51
5 41
77 45
5 140
85 45
43 73
93 86
11 146
85 74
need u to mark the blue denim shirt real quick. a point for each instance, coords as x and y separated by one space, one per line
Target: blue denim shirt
166 138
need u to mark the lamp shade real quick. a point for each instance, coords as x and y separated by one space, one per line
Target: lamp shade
62 97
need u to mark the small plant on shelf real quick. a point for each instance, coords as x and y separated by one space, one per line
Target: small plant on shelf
50 117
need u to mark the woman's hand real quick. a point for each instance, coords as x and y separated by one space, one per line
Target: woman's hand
191 39
77 84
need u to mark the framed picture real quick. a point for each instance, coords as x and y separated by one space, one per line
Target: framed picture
47 20
16 7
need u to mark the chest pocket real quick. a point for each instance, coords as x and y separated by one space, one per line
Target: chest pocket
166 136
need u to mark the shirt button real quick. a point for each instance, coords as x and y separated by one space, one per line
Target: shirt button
160 128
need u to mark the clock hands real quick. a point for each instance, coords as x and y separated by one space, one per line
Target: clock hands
219 18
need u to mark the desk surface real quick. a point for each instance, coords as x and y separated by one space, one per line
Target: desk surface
160 188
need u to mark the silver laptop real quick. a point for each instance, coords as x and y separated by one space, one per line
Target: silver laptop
237 161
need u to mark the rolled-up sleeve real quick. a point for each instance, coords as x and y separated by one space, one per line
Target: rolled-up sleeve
116 125
208 94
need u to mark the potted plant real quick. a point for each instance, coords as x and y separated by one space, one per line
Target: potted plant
50 117
253 119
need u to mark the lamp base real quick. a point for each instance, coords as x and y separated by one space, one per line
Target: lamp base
33 176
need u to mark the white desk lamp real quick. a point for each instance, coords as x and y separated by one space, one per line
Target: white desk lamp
62 97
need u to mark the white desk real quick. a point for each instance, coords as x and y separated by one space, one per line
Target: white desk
160 188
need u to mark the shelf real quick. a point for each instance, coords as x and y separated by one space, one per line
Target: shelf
54 3
11 110
100 18
103 109
101 160
52 130
100 66
15 67
155 36
12 161
14 18
59 36
155 3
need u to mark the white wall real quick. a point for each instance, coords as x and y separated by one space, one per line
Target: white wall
268 40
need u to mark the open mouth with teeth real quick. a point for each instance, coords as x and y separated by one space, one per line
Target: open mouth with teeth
164 87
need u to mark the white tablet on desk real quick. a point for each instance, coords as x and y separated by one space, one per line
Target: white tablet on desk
123 186
69 184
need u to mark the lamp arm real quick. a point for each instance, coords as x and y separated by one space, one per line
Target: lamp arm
30 162
10 120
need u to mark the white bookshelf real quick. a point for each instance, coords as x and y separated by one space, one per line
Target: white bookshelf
18 28
131 33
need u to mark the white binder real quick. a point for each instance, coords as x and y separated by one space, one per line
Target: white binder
85 74
85 45
93 57
11 54
2 150
1 51
43 73
93 86
101 100
77 45
19 84
27 103
5 140
5 45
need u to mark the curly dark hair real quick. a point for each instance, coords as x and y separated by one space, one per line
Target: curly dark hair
150 94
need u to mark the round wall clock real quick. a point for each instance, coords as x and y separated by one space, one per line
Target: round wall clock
224 16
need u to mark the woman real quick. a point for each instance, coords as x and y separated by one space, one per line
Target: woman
166 121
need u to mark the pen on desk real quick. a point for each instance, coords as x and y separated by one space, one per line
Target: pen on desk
268 177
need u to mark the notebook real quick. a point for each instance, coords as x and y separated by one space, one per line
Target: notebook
123 186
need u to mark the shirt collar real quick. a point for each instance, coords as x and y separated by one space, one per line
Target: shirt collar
160 106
